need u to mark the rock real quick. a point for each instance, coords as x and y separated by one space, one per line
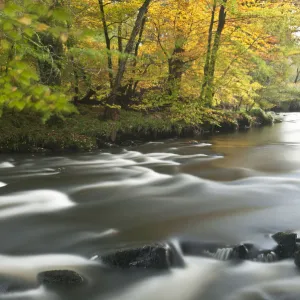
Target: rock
240 252
156 256
286 244
60 278
297 259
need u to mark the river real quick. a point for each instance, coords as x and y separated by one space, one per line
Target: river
57 212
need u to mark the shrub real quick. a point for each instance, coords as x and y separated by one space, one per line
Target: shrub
262 118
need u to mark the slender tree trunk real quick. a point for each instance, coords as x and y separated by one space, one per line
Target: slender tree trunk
113 113
10 57
297 75
76 81
240 103
214 52
107 41
208 52
131 88
120 42
207 91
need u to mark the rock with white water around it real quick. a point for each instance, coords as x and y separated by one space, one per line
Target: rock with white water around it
60 278
287 244
297 259
155 256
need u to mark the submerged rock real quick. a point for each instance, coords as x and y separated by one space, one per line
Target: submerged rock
266 257
246 251
217 250
156 256
60 278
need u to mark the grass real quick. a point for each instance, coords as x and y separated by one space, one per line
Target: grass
25 132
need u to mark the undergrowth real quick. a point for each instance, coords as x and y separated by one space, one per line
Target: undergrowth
25 132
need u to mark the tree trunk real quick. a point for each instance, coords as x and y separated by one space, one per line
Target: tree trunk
131 88
113 112
120 42
208 53
297 75
107 41
221 23
76 81
207 91
176 66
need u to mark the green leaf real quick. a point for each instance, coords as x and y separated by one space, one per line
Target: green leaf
61 14
7 26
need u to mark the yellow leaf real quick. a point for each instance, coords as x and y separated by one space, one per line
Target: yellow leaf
41 27
25 20
64 37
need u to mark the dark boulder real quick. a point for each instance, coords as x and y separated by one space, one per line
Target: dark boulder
297 259
156 256
241 252
60 278
287 244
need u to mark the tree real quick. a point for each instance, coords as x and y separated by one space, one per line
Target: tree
112 112
21 87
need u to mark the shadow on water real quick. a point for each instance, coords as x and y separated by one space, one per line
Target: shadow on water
57 212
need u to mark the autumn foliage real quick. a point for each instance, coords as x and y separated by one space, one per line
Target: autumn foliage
184 56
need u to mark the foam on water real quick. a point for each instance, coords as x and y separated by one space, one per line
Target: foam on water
95 235
39 294
6 164
33 202
281 289
28 267
200 145
151 197
178 284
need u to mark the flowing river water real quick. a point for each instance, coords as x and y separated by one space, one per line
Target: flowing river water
56 212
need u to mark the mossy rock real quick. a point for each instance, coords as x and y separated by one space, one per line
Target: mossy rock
156 256
60 278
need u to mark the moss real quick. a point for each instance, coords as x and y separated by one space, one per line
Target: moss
22 132
261 117
25 132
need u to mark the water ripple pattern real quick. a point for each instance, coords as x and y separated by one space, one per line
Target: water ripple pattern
58 212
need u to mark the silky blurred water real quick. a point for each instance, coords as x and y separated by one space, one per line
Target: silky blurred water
56 212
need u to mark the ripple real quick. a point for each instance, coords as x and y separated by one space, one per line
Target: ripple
6 164
33 202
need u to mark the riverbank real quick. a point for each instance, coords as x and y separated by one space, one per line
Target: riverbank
86 131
